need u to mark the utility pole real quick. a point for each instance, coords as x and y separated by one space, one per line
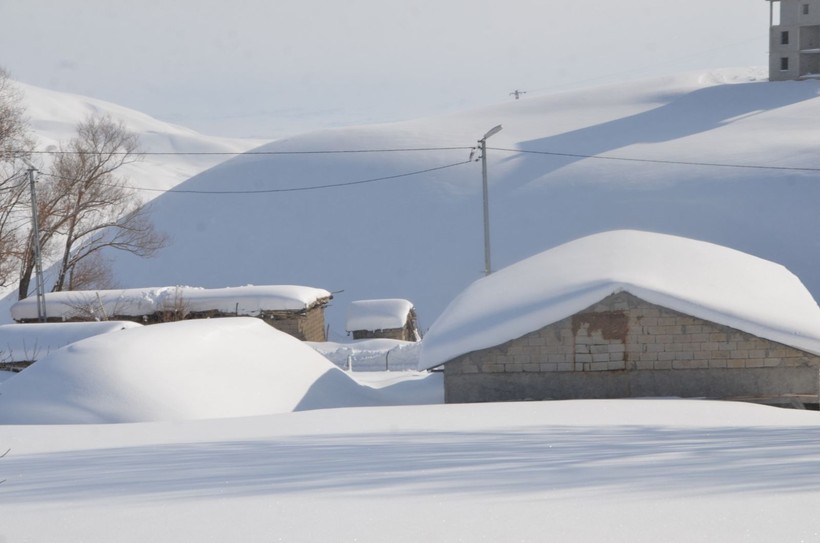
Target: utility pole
38 262
482 145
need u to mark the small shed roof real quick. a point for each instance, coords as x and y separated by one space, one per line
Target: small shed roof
26 342
248 300
383 314
697 278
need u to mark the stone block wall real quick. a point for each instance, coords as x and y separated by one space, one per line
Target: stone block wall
626 347
307 326
389 333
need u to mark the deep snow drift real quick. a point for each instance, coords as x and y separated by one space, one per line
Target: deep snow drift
419 237
198 369
26 342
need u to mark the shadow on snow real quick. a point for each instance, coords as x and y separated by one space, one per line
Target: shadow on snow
540 461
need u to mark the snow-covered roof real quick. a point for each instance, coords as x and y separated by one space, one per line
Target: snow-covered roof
25 342
384 314
247 300
701 279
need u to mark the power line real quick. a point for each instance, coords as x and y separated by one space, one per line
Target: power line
438 168
296 189
657 161
264 153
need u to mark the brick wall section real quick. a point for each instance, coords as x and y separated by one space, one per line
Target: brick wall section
625 335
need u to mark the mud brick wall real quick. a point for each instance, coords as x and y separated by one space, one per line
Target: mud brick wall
625 347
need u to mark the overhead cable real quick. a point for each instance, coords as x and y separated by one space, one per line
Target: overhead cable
300 189
656 161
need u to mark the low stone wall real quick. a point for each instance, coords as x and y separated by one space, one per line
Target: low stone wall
625 347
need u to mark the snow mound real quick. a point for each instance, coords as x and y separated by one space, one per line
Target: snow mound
23 342
201 369
702 279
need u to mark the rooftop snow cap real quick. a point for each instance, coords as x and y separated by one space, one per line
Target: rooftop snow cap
383 314
134 302
697 278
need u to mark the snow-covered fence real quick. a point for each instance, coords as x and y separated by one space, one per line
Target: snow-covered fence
372 354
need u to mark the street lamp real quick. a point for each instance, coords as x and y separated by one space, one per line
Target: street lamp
482 145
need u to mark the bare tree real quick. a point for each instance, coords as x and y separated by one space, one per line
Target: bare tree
15 147
92 273
87 207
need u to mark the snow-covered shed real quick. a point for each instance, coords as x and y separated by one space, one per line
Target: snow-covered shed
631 314
296 310
390 318
23 344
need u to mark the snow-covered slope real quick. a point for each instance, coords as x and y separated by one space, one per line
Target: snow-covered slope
419 237
53 117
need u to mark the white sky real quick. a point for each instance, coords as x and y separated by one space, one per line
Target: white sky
268 68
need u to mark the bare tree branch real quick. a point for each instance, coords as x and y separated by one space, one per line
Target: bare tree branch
88 206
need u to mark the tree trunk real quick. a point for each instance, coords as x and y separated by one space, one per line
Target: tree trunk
25 276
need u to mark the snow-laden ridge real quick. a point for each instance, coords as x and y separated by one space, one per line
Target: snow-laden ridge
53 117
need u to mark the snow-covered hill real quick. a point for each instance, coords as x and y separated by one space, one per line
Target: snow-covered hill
420 236
53 117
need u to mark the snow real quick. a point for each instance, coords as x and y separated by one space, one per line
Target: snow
420 237
225 450
189 370
371 354
249 300
26 342
54 116
621 470
697 278
177 371
385 314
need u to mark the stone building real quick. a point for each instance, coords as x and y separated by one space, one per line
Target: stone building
389 318
293 309
794 39
631 314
